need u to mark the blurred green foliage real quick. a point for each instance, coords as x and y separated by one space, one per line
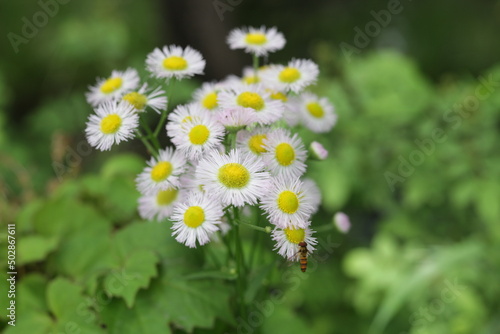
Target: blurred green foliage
423 255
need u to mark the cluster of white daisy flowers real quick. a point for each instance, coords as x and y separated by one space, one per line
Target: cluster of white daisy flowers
233 144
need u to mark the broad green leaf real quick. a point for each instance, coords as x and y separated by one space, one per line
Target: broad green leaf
145 317
123 164
36 322
136 273
24 221
66 215
147 236
70 307
83 255
197 303
35 248
31 294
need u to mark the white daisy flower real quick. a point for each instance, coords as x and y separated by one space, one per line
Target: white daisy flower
311 188
236 178
112 123
182 114
140 99
252 141
298 74
189 181
117 84
287 242
173 61
317 114
196 136
287 203
256 99
196 219
249 76
236 118
285 154
258 41
160 205
206 96
162 172
290 114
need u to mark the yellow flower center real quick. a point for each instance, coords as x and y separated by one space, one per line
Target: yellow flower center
166 197
315 109
295 236
110 85
111 124
175 63
199 134
251 79
256 38
250 100
210 101
288 202
285 154
289 74
234 175
136 99
194 216
161 171
256 143
279 96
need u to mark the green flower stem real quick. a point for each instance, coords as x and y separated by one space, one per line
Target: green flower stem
146 127
256 240
146 143
164 113
240 264
255 65
266 229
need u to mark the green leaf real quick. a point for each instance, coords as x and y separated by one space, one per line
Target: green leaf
31 294
197 303
70 307
61 216
35 248
123 164
146 236
39 323
135 274
83 255
24 222
145 317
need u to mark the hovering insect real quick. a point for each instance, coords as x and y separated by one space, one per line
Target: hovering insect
303 255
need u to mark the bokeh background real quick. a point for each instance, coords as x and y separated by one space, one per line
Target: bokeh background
414 161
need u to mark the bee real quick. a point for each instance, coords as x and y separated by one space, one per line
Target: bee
303 255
